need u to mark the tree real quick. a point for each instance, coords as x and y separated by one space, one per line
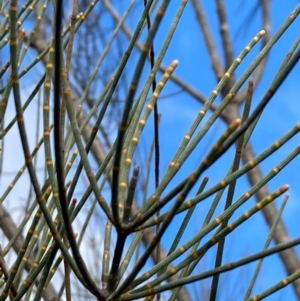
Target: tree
95 74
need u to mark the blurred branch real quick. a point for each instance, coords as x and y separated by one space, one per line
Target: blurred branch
209 40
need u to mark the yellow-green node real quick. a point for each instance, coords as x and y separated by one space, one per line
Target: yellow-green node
135 139
66 91
154 198
218 220
187 137
128 160
193 178
150 288
223 183
101 200
189 204
147 274
156 219
48 86
259 205
149 106
248 48
182 249
142 122
27 283
14 270
247 214
123 184
215 92
262 32
230 95
276 169
11 185
126 260
277 144
25 258
285 281
227 74
173 270
231 227
238 60
251 163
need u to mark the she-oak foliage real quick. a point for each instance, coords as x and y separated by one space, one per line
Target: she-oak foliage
42 256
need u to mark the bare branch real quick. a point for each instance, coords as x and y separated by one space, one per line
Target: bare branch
289 256
226 39
209 40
